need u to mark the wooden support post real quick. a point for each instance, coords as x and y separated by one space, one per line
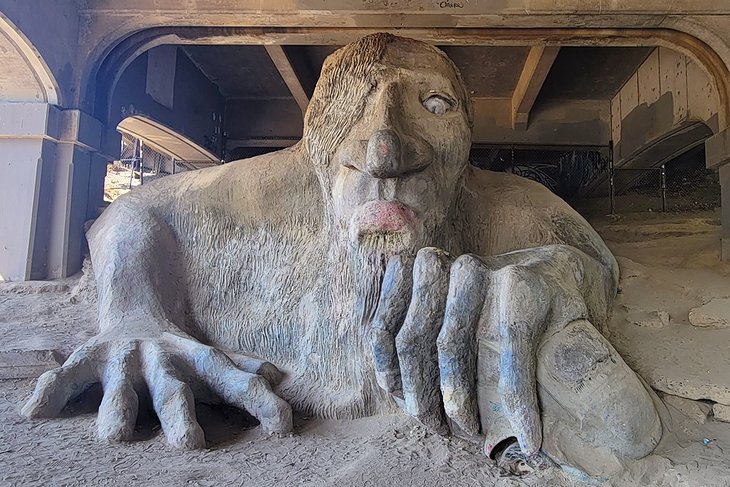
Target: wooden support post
289 75
535 71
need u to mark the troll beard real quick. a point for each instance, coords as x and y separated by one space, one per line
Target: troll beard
374 241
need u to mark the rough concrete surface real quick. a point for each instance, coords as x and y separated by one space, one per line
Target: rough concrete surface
721 412
714 314
671 266
27 364
695 410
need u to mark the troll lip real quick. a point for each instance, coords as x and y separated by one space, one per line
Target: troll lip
385 217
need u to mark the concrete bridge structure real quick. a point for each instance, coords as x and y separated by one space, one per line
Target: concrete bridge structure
234 78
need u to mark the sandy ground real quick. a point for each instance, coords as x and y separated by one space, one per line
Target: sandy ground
117 179
670 264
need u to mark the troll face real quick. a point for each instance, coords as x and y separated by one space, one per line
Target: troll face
389 129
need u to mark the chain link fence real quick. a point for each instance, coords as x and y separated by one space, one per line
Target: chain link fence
139 163
566 171
680 185
581 175
147 164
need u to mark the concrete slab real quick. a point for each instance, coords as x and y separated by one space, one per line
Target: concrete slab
27 364
41 323
676 358
714 314
721 412
650 319
695 410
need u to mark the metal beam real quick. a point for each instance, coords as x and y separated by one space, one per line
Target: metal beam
537 66
289 75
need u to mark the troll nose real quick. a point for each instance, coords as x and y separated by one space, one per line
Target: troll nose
383 158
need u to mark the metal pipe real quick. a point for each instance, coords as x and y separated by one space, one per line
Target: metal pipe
611 185
134 163
664 187
141 163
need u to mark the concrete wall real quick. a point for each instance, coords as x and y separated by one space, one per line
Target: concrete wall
53 30
105 22
51 168
263 118
22 162
18 80
557 122
73 37
667 92
197 105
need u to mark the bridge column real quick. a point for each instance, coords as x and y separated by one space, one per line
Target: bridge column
51 182
717 154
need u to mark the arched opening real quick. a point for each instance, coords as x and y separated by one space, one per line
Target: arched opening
665 149
25 77
667 174
165 140
150 150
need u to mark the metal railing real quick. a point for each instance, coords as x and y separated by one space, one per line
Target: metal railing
682 183
612 185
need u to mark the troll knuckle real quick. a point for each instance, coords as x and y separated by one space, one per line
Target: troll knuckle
466 265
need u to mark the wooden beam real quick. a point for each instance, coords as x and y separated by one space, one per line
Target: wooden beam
289 75
537 66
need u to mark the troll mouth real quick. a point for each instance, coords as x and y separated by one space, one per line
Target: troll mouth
387 226
384 217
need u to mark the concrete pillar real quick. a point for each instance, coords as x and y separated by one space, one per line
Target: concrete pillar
717 155
52 182
725 212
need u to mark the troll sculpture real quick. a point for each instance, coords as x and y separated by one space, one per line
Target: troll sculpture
367 268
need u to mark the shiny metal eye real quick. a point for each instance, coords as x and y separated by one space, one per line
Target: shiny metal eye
437 104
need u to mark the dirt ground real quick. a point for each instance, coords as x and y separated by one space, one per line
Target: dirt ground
670 264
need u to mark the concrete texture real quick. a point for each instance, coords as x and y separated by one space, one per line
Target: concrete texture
591 73
717 149
666 91
713 314
721 412
18 80
97 31
50 157
578 122
670 272
46 44
27 364
252 118
695 410
24 152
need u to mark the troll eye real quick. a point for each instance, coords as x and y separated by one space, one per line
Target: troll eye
438 104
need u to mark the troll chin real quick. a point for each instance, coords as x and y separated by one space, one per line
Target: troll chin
384 227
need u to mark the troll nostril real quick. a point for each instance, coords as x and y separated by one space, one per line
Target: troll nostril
383 153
